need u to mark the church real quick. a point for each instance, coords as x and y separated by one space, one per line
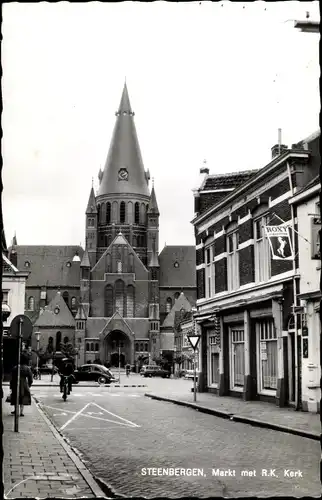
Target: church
119 290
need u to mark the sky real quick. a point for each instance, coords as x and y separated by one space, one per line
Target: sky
207 81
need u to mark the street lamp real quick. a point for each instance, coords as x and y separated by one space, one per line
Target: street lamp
37 352
194 340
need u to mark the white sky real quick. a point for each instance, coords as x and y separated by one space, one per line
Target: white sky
206 80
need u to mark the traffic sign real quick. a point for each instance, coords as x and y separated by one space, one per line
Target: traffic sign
194 339
26 327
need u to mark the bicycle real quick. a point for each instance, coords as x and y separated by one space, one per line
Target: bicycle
66 386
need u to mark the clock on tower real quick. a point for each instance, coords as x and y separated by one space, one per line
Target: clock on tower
123 174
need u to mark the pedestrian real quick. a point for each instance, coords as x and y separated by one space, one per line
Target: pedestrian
25 383
127 368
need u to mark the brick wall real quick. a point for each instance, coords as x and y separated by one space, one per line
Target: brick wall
246 265
221 275
200 283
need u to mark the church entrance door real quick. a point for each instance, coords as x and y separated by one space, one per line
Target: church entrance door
115 359
118 346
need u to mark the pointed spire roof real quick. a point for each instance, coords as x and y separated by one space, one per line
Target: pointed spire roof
85 260
14 240
153 206
91 205
124 170
154 259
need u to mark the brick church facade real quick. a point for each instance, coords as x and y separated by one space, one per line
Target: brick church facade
116 287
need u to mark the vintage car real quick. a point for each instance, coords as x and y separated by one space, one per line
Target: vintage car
94 373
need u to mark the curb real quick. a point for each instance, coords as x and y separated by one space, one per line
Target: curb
83 385
88 477
239 418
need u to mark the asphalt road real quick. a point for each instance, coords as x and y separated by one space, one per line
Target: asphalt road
127 440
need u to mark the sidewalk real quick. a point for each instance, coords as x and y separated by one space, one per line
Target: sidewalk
256 413
38 463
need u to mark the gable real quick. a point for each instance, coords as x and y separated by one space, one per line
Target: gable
56 314
181 303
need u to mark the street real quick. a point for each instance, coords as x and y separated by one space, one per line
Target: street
148 448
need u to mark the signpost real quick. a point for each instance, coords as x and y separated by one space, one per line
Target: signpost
194 340
21 329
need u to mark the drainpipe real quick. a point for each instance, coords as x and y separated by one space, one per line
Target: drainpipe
296 367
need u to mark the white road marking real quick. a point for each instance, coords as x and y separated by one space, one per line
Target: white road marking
56 414
94 413
75 416
114 395
117 416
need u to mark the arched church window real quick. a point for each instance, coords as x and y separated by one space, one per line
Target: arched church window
146 347
131 263
137 346
73 302
108 301
119 266
130 301
31 304
58 341
141 347
114 212
130 212
103 213
122 212
92 346
142 213
98 214
87 346
136 213
119 296
66 297
168 304
176 295
108 213
96 347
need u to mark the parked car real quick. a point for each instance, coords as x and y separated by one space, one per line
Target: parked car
47 369
156 371
189 375
94 373
144 367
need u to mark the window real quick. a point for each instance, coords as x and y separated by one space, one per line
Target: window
58 341
91 222
130 301
168 306
119 296
119 266
92 346
74 302
267 355
137 346
96 347
136 213
108 213
232 261
122 212
87 346
176 295
103 214
66 297
262 255
5 297
109 301
141 347
31 304
99 214
237 357
146 347
209 272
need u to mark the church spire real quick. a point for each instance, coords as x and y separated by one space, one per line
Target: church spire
124 170
153 206
91 205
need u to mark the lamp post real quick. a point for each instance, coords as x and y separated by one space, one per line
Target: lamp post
194 340
37 352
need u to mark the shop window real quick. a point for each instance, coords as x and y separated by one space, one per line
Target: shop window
237 357
267 355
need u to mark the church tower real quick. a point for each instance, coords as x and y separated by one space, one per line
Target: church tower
123 195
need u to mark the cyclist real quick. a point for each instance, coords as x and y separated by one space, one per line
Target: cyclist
66 370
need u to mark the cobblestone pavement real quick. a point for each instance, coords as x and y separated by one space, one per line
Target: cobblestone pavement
121 437
36 464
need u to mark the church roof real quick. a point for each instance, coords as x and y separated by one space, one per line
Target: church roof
50 265
124 170
181 303
91 205
153 206
56 314
178 266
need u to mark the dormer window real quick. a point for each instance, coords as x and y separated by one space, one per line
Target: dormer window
27 263
68 264
56 310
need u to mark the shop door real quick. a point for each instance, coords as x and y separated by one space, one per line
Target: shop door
237 358
291 366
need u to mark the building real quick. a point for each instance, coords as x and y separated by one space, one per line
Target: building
120 289
13 303
247 301
306 204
